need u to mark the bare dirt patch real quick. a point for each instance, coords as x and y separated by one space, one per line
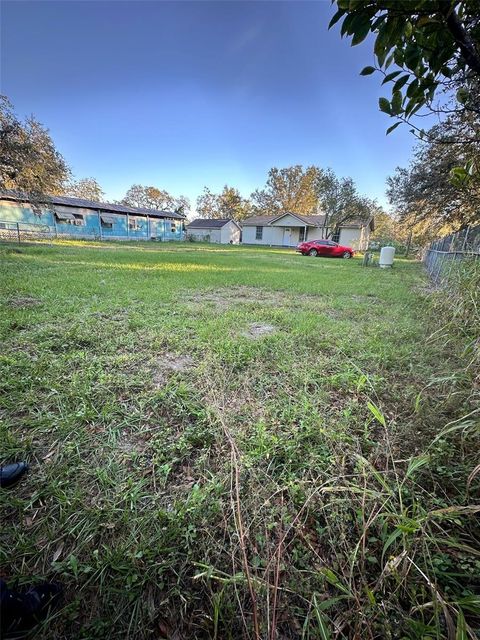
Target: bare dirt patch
259 330
367 298
131 442
23 302
167 364
228 297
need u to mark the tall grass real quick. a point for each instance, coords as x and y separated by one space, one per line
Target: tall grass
191 481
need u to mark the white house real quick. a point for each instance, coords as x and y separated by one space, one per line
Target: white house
288 229
225 231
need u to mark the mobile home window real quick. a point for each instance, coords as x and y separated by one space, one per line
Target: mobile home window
258 233
107 221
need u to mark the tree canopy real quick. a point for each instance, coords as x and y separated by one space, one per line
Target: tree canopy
312 191
288 189
441 184
29 162
86 188
227 204
340 201
148 197
432 45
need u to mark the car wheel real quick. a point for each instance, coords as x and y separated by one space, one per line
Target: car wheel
313 252
346 254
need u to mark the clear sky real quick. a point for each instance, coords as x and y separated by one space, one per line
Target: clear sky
185 94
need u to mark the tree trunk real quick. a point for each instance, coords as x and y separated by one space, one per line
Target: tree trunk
409 243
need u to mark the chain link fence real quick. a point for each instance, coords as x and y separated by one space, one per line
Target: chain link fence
25 232
441 256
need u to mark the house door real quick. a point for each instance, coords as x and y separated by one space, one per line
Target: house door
287 237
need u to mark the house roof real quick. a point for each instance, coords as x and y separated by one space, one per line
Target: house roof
98 206
310 221
209 223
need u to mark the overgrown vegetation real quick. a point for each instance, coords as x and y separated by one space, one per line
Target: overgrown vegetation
237 442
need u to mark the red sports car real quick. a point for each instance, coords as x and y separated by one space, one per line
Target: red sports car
325 248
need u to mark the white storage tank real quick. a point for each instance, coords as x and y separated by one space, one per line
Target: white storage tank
386 257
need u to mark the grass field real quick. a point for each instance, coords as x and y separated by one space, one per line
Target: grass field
232 442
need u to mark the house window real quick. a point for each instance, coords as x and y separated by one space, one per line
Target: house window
79 220
133 224
258 233
302 234
336 236
173 228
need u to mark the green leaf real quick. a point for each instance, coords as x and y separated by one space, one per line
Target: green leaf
392 128
412 56
336 18
462 95
347 25
390 540
360 34
323 623
367 71
373 407
401 82
359 28
416 463
391 76
412 88
396 102
384 105
331 578
461 631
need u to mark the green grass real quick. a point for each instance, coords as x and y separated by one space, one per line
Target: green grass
192 480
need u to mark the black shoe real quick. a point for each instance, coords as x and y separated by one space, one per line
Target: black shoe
21 611
10 474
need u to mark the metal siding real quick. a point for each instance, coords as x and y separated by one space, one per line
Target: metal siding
161 228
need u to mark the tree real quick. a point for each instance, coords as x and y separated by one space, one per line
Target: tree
29 161
207 205
339 200
441 186
434 46
148 198
227 204
86 188
144 197
289 189
181 205
386 228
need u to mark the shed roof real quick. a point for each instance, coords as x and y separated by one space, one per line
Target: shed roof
91 204
209 223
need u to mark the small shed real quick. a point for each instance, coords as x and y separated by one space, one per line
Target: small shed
220 231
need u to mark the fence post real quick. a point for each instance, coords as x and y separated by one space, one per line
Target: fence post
18 233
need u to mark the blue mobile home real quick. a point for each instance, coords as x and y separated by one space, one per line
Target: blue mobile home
74 217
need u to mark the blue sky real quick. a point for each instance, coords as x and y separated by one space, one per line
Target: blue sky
185 94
